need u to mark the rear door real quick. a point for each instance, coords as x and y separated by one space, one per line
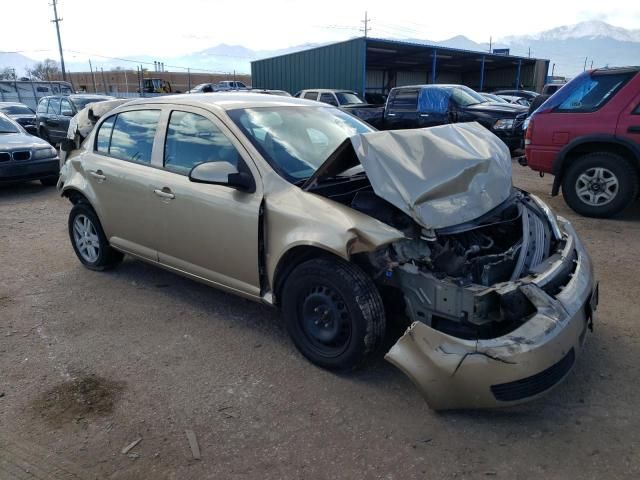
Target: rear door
66 112
402 109
210 231
122 176
629 120
51 120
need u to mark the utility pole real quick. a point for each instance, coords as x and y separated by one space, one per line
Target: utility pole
57 21
585 64
104 84
529 52
553 69
93 77
591 68
366 27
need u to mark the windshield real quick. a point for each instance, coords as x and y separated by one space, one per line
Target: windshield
494 98
464 96
296 140
349 98
7 126
82 102
16 110
585 93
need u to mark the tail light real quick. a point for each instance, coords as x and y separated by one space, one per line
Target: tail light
529 133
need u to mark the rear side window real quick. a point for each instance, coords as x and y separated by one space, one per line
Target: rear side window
592 93
42 106
404 100
54 106
104 135
193 139
311 95
129 135
65 107
328 98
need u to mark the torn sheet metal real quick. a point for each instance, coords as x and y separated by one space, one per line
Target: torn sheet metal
440 176
455 373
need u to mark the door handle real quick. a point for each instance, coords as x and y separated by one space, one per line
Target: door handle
98 174
165 192
634 129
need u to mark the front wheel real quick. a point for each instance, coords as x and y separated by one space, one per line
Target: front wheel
89 241
333 313
600 184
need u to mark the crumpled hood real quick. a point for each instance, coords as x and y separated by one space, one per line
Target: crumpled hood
440 176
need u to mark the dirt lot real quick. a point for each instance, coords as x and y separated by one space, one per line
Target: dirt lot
90 362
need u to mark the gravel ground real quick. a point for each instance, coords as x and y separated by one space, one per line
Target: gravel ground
90 362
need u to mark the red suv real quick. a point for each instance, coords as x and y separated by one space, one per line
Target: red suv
588 135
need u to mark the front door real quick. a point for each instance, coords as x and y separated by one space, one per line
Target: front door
210 231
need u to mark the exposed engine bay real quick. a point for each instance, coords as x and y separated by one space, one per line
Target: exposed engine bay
461 280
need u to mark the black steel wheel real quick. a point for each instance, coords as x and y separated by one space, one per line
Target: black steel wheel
333 313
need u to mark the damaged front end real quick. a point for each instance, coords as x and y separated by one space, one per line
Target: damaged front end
499 292
499 307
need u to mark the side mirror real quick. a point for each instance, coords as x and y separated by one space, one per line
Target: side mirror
67 145
222 173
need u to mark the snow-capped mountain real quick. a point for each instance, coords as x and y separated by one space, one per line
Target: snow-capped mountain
592 29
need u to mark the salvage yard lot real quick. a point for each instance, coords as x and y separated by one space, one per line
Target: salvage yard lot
89 362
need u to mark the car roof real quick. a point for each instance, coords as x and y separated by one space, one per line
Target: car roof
329 90
432 85
7 104
226 100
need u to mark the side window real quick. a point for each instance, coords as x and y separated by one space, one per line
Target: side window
311 95
193 139
637 110
434 100
593 93
42 106
133 134
104 135
54 106
328 98
65 107
404 100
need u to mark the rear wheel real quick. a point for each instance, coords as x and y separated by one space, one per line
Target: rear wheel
89 241
333 313
600 184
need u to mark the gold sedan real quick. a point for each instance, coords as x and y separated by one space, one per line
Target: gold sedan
301 206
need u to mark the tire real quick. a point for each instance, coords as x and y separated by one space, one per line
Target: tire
333 312
85 225
49 181
600 184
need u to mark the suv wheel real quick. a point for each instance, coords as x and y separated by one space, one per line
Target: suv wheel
333 312
89 241
600 184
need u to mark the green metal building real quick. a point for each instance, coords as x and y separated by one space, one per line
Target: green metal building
377 65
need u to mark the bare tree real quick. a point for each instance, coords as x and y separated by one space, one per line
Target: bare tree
8 73
44 70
